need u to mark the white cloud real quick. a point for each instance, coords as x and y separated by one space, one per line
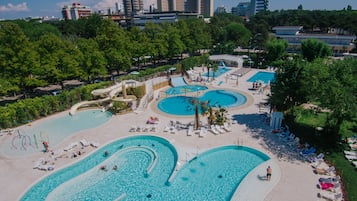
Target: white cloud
17 8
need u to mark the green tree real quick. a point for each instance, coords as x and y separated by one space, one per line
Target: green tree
18 60
93 63
115 43
286 88
275 49
312 49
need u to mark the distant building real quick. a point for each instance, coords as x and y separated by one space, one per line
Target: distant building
221 9
242 9
141 20
170 5
294 35
203 7
76 11
258 6
133 7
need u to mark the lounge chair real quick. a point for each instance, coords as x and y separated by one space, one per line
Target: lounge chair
219 129
190 131
167 129
153 129
132 129
38 163
214 130
84 142
71 146
330 179
352 153
94 144
308 152
330 196
350 157
203 132
294 142
327 171
354 163
226 127
313 158
173 130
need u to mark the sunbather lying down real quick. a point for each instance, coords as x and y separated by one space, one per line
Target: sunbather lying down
324 171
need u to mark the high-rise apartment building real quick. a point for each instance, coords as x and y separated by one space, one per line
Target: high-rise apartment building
132 7
170 5
243 9
258 6
203 7
75 11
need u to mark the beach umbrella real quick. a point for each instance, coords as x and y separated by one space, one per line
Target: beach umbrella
172 68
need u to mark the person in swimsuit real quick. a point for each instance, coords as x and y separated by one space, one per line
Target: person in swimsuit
269 172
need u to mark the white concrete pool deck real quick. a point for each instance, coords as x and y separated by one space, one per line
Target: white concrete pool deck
292 179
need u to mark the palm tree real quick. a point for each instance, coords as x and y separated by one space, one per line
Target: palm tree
204 106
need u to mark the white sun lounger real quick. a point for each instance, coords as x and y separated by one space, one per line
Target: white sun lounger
38 163
84 142
203 132
350 157
214 130
71 146
219 129
190 131
352 153
355 163
94 144
226 127
330 196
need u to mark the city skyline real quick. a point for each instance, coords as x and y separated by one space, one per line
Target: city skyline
15 9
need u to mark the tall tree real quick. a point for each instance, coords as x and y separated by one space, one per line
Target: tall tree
276 49
115 43
313 48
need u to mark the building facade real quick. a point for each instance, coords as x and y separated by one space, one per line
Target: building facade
258 6
76 11
339 44
170 5
242 9
132 7
203 7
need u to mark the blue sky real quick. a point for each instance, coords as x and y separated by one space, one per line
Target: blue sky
11 9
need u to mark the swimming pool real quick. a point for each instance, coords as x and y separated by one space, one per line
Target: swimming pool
217 73
212 175
182 105
266 77
185 89
28 139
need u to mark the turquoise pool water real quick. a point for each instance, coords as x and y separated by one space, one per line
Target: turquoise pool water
217 73
182 105
266 77
28 140
145 172
185 89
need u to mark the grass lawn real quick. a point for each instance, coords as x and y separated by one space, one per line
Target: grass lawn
304 126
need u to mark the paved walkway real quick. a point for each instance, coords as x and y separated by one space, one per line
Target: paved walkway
296 181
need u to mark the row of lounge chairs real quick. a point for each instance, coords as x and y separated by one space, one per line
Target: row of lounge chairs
148 128
329 184
46 165
351 156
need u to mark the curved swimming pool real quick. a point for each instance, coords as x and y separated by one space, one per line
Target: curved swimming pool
28 140
145 164
185 89
182 105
